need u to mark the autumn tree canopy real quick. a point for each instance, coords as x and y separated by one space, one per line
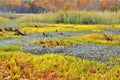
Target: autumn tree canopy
55 5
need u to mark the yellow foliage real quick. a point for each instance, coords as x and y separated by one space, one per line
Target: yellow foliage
63 27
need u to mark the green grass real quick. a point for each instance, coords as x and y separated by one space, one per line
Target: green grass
48 22
16 65
74 17
69 17
2 19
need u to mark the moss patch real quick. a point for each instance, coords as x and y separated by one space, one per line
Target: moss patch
6 35
64 27
16 65
76 40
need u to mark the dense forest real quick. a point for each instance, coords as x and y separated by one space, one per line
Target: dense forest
37 6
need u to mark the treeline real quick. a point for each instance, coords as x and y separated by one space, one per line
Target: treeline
56 5
22 9
17 6
37 6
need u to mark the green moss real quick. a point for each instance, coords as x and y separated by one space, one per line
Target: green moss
9 48
7 35
77 40
55 42
98 39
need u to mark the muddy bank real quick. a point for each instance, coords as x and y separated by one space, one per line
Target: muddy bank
90 51
40 36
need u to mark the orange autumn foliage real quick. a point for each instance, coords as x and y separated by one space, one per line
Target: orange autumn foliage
54 5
